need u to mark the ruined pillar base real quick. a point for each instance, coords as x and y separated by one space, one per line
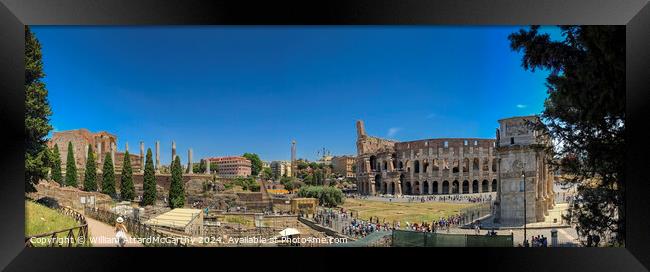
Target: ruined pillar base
540 210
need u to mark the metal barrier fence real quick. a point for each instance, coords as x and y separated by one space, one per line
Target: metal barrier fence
80 239
402 238
138 229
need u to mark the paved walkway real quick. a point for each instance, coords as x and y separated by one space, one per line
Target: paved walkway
103 235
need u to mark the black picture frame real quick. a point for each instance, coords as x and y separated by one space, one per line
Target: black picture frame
635 15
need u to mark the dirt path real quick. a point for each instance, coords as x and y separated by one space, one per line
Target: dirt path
103 235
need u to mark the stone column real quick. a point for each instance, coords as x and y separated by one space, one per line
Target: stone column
99 153
173 151
207 166
142 156
189 162
157 166
113 153
85 156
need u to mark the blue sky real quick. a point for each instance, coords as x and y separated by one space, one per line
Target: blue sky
229 90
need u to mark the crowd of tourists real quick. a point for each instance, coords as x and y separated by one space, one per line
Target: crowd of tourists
451 198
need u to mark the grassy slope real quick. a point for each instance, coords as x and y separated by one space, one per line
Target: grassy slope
403 212
40 219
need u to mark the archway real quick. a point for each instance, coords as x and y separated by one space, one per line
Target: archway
475 186
425 188
455 165
392 188
385 166
373 163
494 185
378 184
384 188
455 187
401 165
475 164
465 187
416 189
445 187
425 166
485 187
416 166
434 188
465 165
408 190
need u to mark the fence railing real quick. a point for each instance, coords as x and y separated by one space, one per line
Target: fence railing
154 237
401 238
69 239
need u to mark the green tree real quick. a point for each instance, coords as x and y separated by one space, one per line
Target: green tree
37 114
127 189
328 196
70 168
267 173
199 167
90 175
256 163
108 176
585 115
176 188
56 165
149 183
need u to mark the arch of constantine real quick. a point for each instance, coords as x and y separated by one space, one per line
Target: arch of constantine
463 166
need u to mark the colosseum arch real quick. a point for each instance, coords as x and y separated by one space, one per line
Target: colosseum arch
465 187
408 189
392 188
445 187
385 166
494 185
416 166
485 186
455 186
434 188
434 166
425 166
465 165
425 187
373 163
486 165
378 183
455 166
384 188
475 163
416 188
400 165
494 165
475 188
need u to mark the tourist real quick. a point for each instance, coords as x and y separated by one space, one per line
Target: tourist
120 232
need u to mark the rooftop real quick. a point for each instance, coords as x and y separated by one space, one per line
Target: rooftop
176 218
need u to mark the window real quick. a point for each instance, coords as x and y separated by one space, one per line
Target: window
475 142
446 144
512 140
465 142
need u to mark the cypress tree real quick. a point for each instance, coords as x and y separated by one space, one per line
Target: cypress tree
90 177
70 168
149 184
56 166
37 114
176 190
127 189
108 176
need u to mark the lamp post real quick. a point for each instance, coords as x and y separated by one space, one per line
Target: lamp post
523 176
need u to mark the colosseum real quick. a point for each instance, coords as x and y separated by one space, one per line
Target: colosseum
432 166
464 166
